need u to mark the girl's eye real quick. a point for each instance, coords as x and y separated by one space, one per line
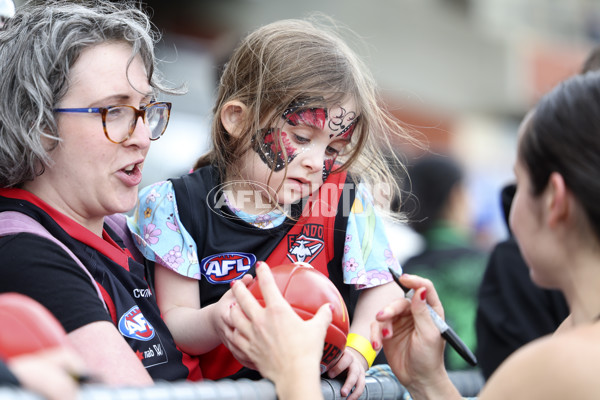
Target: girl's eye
301 139
332 151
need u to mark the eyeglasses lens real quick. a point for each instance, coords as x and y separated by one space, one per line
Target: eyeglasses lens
121 121
157 117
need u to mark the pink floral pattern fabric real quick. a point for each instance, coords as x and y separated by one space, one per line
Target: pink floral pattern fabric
367 251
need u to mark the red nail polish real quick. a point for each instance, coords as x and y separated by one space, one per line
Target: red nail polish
231 283
423 295
375 345
385 332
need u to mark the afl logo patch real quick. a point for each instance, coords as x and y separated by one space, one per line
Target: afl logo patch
133 325
226 267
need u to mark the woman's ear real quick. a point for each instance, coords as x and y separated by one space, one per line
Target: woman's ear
558 204
232 116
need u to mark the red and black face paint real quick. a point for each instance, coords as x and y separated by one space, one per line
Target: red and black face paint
314 117
328 167
271 148
268 146
342 121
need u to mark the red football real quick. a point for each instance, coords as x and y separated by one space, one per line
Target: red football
27 326
307 289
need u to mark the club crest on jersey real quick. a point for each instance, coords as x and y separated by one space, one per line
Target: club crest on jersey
306 246
226 267
133 325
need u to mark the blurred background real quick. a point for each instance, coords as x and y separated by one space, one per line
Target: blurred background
462 72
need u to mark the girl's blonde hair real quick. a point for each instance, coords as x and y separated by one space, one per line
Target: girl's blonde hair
292 61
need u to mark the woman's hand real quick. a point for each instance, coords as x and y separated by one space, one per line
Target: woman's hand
412 343
285 348
52 373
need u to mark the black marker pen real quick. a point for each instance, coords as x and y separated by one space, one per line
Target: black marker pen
447 332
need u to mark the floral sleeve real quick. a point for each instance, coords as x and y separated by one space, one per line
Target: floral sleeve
159 234
367 252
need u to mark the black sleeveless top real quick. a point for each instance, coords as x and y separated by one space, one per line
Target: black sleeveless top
216 230
122 280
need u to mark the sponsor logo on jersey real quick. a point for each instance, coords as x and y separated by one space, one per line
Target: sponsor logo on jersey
226 267
133 325
138 293
306 246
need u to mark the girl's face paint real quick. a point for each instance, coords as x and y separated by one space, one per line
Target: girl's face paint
269 148
315 117
341 125
307 136
327 167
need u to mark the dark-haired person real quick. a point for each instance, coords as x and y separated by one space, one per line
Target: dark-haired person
555 218
512 310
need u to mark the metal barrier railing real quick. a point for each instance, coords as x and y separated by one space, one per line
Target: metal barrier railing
376 388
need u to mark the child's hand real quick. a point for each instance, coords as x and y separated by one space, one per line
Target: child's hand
225 327
355 366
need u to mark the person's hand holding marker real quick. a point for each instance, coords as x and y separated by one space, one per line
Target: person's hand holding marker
412 342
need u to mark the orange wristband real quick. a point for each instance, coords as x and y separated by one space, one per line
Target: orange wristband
363 346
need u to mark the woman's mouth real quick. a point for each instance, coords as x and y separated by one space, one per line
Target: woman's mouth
129 170
131 175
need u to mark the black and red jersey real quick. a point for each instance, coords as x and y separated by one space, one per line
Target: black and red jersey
38 268
306 235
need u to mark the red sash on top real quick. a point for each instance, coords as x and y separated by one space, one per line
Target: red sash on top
310 240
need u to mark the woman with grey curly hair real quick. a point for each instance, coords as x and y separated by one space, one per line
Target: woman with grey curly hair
78 110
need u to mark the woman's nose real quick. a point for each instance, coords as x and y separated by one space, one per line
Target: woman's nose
141 134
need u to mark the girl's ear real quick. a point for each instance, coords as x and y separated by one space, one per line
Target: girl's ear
232 117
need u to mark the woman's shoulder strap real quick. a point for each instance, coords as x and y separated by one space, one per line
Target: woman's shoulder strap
13 222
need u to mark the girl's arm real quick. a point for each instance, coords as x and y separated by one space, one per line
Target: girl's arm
157 230
367 256
194 329
370 301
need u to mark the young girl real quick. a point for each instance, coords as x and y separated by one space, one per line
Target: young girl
298 137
